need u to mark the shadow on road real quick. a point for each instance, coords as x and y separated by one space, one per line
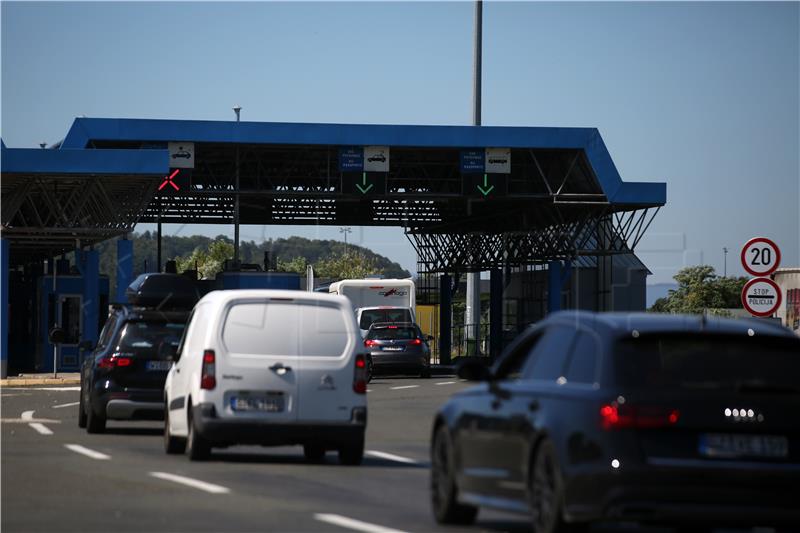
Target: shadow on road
146 431
331 459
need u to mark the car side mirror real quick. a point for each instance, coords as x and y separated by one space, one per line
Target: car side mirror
86 345
57 335
473 369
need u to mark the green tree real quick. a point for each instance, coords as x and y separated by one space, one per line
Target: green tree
352 265
701 290
209 261
298 265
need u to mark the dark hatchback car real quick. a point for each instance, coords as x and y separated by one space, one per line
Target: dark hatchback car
627 417
123 378
397 348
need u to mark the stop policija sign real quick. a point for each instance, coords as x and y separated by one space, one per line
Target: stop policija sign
760 256
761 297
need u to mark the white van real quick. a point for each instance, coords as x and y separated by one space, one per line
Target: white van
268 367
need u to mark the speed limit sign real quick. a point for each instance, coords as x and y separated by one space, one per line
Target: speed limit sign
761 297
761 256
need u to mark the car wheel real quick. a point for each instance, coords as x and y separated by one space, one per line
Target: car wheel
197 448
94 422
352 453
172 445
546 493
81 410
315 453
444 491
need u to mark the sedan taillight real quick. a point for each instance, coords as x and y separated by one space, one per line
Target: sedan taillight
114 361
369 343
615 416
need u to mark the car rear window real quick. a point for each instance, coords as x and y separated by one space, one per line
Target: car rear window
370 316
393 333
285 328
154 338
709 362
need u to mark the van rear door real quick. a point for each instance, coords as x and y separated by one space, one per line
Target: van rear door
327 365
258 373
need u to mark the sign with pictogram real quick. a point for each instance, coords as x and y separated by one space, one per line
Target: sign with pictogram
761 297
498 160
181 154
169 181
376 158
760 256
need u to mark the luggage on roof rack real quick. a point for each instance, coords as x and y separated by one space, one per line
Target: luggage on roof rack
162 291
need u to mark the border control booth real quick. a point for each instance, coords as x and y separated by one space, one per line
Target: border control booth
469 198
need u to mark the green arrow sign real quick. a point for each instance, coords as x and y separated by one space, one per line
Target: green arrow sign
363 187
486 189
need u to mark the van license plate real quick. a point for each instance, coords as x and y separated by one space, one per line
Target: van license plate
158 365
727 445
266 404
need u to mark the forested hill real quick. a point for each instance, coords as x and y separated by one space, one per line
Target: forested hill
144 250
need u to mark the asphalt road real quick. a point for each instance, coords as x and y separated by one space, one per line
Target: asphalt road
56 477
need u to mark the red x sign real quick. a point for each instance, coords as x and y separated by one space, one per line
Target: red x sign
168 181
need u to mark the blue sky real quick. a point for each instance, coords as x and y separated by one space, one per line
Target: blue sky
703 96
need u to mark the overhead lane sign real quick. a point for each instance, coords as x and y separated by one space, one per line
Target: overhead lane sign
473 161
181 154
376 158
498 160
351 159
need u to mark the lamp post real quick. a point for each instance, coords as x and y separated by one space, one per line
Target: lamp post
345 230
725 262
236 109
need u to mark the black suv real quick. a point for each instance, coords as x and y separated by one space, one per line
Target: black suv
397 348
124 377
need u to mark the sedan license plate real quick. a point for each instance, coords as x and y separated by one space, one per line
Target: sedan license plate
158 365
392 348
727 445
266 403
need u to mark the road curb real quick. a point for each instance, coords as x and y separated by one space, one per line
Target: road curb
23 382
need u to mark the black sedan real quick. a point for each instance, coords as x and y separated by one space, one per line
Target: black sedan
397 348
627 417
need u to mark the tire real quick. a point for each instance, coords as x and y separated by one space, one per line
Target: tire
81 411
352 453
315 453
94 422
546 493
444 491
197 448
172 445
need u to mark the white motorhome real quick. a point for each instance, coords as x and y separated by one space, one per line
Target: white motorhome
378 300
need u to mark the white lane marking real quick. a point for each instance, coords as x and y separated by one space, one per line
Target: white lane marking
446 382
60 389
41 428
27 415
350 523
391 457
77 448
404 387
70 404
195 483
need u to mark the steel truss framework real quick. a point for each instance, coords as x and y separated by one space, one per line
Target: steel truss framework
45 214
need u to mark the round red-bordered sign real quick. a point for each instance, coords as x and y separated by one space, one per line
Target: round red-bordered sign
768 248
756 304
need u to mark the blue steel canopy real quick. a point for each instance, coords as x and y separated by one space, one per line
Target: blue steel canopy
563 196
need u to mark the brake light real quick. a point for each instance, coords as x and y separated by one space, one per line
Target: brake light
369 343
114 361
615 416
360 375
416 342
208 379
391 327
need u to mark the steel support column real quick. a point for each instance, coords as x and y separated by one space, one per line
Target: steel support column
4 317
495 313
445 314
554 286
124 269
90 260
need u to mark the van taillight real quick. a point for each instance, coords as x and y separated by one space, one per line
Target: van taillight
615 416
360 375
208 379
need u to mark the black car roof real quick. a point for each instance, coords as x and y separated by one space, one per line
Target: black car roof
617 323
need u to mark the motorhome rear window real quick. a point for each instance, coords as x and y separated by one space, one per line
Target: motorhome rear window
370 316
285 328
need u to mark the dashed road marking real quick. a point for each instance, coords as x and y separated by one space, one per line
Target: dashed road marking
70 404
391 457
404 387
41 428
351 523
194 483
27 415
446 382
77 448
